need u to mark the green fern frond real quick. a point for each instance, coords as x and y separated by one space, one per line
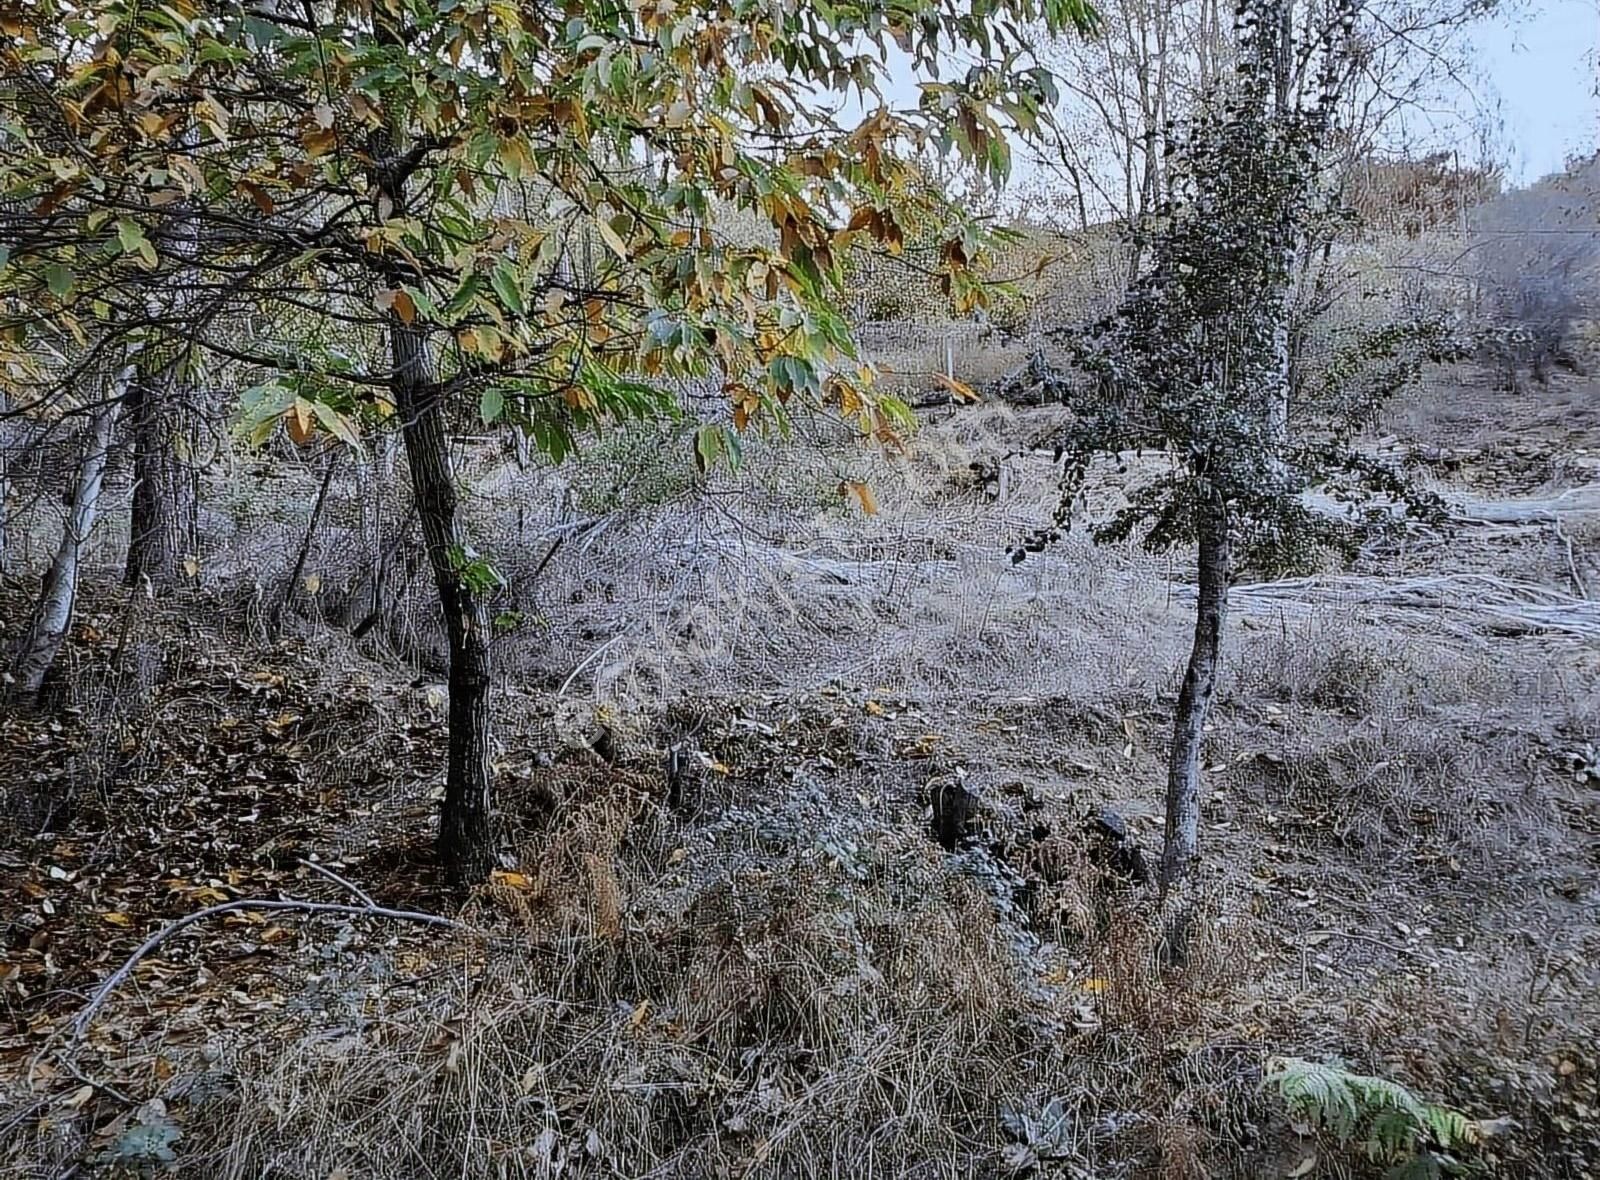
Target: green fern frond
1383 1118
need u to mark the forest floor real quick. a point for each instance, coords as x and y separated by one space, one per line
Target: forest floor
765 965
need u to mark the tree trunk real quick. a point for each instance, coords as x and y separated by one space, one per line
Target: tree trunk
466 845
162 528
1181 847
5 480
52 616
466 839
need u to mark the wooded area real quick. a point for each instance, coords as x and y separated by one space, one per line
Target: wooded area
689 589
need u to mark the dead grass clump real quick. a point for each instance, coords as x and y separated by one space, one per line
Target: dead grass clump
838 997
1392 782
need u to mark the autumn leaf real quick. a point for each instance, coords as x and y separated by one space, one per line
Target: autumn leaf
301 420
960 389
116 918
260 196
862 493
399 302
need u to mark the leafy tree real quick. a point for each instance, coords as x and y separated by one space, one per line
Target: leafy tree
392 208
1190 366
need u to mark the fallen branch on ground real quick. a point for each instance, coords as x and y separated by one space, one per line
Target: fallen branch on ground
80 1023
1483 602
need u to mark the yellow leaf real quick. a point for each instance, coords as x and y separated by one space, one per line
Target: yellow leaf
1095 986
116 918
639 1014
873 709
313 583
511 880
960 389
612 239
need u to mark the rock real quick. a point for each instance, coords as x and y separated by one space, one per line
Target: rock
954 808
1114 848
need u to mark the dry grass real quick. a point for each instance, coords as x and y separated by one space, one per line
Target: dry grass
783 975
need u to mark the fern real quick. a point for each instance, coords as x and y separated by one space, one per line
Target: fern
1378 1116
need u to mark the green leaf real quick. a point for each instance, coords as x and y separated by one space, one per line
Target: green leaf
59 279
336 424
714 445
130 235
507 287
492 405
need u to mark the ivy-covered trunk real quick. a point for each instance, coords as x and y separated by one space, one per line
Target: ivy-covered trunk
162 529
466 843
1181 848
52 615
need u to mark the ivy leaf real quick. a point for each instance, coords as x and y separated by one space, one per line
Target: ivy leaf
130 235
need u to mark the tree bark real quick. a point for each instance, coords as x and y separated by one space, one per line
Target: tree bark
466 839
5 481
1180 850
52 616
162 528
466 845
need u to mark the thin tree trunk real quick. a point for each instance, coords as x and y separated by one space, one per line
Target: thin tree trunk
275 620
162 528
163 525
466 845
1180 850
5 480
37 651
466 839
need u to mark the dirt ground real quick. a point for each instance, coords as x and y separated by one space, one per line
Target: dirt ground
763 964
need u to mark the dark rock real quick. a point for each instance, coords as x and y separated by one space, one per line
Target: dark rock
1114 848
954 809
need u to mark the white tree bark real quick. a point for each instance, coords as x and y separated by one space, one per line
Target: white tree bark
37 651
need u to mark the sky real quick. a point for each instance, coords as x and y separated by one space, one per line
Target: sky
1541 64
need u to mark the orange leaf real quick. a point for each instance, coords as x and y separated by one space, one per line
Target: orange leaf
960 389
397 301
260 196
869 502
302 422
511 880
